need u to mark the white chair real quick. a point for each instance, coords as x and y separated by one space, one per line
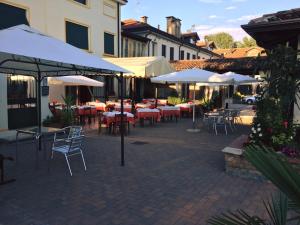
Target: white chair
69 147
73 131
220 121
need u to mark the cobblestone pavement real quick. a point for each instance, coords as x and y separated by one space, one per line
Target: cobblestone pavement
171 177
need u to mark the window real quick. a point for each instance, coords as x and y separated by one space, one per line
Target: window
188 56
194 56
134 49
126 48
139 52
109 44
11 16
181 55
164 50
154 45
171 53
77 35
83 2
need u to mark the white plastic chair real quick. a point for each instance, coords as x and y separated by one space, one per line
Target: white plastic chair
69 147
220 121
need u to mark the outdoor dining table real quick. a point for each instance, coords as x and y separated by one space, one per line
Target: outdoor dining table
108 118
127 108
34 133
185 107
100 106
144 105
169 112
84 110
146 113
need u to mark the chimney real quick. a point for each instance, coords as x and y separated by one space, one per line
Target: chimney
144 19
158 26
174 26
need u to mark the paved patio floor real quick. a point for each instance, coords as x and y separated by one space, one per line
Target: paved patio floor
171 177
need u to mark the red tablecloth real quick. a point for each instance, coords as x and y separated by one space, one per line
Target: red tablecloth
169 111
87 110
145 114
127 108
109 118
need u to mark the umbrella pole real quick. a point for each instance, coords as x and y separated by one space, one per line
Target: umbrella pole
194 97
132 95
122 122
39 107
156 97
194 129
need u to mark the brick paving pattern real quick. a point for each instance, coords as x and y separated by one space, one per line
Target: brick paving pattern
171 177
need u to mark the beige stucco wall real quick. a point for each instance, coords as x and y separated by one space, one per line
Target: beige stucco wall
49 16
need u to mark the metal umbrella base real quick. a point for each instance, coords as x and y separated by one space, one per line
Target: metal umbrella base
193 130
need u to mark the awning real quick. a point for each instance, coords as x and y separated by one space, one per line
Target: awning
75 81
143 67
26 51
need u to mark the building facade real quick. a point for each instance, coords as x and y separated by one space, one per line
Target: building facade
92 25
171 44
133 45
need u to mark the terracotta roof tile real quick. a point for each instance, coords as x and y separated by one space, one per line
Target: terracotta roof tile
242 65
241 52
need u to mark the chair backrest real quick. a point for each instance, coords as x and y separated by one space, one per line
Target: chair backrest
236 113
76 143
74 131
220 119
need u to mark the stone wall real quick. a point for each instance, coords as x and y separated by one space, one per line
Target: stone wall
235 162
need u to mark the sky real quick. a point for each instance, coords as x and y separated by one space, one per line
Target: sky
206 16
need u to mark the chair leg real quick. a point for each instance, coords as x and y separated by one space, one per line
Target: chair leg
225 128
52 154
215 128
68 164
83 160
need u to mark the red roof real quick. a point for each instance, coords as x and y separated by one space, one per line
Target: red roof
241 52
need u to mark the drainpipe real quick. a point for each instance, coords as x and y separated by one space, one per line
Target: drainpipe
119 31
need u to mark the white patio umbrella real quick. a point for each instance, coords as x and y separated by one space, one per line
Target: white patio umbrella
191 76
75 81
26 51
231 78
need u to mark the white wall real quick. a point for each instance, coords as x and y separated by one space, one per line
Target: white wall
162 41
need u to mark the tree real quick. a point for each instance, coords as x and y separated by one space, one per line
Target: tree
222 40
247 42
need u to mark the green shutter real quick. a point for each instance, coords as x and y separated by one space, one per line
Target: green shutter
109 44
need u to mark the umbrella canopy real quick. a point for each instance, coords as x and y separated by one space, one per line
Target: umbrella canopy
230 78
240 79
75 81
26 51
143 67
191 76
